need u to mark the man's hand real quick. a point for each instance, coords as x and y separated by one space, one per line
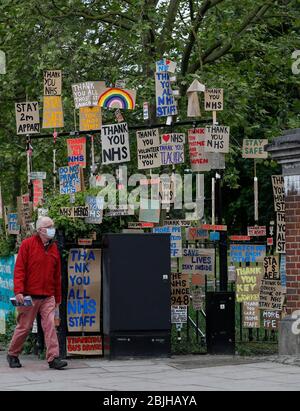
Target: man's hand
20 298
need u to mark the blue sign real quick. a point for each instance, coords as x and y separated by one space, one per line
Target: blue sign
283 269
247 253
7 265
214 236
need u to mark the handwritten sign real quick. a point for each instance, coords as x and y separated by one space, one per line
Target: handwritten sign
271 295
165 102
254 148
53 116
119 211
38 193
200 160
257 231
117 98
278 193
175 238
148 149
217 139
52 83
180 292
213 99
280 233
84 290
69 179
149 211
172 154
248 281
247 253
173 138
213 227
271 319
251 314
37 175
12 224
115 143
181 223
196 234
198 298
239 238
77 151
198 261
75 212
138 225
95 205
90 118
271 268
87 94
27 117
84 345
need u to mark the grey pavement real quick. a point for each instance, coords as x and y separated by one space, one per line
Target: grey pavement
179 373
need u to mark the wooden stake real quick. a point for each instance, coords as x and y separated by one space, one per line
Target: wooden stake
213 204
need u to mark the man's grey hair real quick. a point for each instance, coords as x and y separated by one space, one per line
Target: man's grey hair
43 221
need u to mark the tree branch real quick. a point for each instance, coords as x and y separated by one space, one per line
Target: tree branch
166 33
207 5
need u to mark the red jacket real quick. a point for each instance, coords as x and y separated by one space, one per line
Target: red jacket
37 270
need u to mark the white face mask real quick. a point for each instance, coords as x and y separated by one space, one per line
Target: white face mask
50 232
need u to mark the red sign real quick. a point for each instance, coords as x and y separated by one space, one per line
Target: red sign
87 345
38 192
140 225
85 241
239 238
270 241
210 227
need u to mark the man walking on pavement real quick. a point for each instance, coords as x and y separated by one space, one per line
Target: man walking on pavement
38 274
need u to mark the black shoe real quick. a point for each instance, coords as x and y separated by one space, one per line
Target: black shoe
13 362
57 364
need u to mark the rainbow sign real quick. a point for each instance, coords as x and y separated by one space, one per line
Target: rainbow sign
117 98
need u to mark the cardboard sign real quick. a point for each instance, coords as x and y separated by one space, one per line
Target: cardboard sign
90 118
27 117
136 225
77 151
87 94
257 231
165 65
239 238
84 345
217 139
180 292
115 143
271 268
52 83
198 261
175 239
213 227
13 227
166 191
38 193
75 212
149 211
254 148
69 179
181 223
119 211
95 205
213 99
85 241
278 193
173 138
198 299
148 149
271 295
25 211
217 161
84 290
271 319
53 116
117 98
247 253
196 234
280 233
200 160
165 102
251 314
198 280
248 280
178 314
172 154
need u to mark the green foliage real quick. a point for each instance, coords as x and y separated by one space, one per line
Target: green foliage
7 245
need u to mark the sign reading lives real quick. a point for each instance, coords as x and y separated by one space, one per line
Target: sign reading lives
84 290
27 117
198 261
115 143
148 150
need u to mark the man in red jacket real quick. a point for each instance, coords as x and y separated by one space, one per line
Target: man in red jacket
38 274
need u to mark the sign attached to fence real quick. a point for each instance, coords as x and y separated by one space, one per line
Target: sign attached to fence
175 239
257 231
84 290
280 233
271 295
180 292
198 261
7 265
278 193
251 314
248 280
271 319
84 345
271 267
247 253
178 314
